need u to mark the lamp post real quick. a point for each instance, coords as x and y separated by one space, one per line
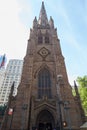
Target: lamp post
12 114
60 102
66 107
60 115
24 107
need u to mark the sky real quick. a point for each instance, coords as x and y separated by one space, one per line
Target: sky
70 19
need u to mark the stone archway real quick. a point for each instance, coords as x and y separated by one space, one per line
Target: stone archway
45 120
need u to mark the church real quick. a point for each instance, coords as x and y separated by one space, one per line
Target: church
44 100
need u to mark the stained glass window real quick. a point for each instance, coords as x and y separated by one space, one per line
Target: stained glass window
44 84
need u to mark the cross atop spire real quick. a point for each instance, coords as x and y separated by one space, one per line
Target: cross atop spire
43 20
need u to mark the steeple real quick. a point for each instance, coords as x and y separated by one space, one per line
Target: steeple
43 20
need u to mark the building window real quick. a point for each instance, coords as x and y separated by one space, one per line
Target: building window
46 39
44 84
40 40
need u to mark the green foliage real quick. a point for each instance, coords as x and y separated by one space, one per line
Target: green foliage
73 92
82 82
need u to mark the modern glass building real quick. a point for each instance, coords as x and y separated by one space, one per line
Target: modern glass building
12 74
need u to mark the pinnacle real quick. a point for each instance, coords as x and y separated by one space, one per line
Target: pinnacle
43 20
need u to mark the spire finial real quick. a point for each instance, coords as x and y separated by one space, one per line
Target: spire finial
43 20
35 22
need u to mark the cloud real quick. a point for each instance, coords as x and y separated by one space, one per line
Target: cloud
69 23
70 38
13 33
59 10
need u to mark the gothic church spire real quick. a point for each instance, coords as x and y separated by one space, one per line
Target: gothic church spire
43 20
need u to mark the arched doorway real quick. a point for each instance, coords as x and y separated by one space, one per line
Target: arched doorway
45 120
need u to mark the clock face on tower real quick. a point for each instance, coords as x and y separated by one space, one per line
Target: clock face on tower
43 52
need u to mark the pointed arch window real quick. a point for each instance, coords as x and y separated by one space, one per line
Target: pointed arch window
40 39
47 39
44 84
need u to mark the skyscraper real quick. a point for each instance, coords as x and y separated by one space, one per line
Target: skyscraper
44 100
12 73
2 73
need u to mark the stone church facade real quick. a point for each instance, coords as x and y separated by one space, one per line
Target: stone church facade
44 100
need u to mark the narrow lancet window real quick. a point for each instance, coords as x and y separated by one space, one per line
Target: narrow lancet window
46 39
44 84
40 40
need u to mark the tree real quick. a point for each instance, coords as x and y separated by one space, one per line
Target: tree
82 82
